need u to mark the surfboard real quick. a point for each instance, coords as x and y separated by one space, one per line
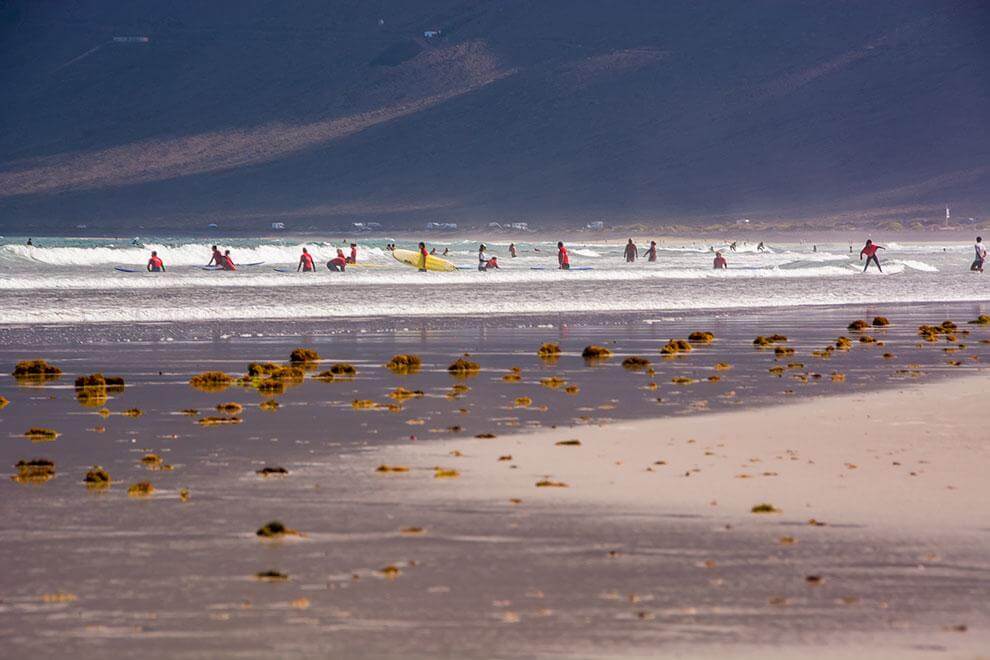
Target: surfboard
126 270
256 263
571 268
433 262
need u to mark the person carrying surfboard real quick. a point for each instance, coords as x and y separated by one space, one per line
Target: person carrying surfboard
305 262
217 257
423 256
227 263
563 261
155 264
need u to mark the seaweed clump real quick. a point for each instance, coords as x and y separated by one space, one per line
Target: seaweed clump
274 529
858 325
402 394
404 363
343 369
701 337
675 346
462 368
97 477
769 340
634 363
764 508
304 356
262 369
270 405
211 381
230 408
880 321
35 372
40 434
218 421
549 351
36 470
3 402
553 382
272 471
140 489
595 352
982 319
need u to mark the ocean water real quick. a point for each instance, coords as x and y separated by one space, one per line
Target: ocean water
66 280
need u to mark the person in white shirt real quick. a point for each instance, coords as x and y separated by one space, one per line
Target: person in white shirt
482 258
981 255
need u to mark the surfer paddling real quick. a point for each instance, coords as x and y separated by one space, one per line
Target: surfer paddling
870 252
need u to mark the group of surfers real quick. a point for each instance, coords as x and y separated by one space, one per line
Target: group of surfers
223 260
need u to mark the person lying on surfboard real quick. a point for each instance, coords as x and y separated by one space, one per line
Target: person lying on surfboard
155 264
305 262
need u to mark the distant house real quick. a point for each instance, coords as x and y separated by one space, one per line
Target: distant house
278 226
520 226
366 226
432 34
597 225
441 226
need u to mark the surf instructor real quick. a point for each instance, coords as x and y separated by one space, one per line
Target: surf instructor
563 261
305 262
217 258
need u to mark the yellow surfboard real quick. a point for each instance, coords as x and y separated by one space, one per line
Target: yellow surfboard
411 258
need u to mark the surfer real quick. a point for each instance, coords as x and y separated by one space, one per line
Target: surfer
651 252
217 257
338 263
563 261
433 251
631 251
761 247
227 263
423 256
732 246
305 262
493 262
446 251
720 262
512 250
353 258
981 255
870 252
30 243
155 264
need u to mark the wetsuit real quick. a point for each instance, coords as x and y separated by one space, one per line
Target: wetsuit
353 257
423 255
870 252
155 265
720 263
337 264
563 259
227 263
217 258
307 262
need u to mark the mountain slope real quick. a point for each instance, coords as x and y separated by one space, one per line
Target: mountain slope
318 112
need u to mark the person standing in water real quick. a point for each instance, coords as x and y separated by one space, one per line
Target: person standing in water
563 261
512 250
482 259
305 262
631 252
353 258
227 263
217 258
870 252
30 243
155 264
720 263
761 247
981 255
651 252
423 255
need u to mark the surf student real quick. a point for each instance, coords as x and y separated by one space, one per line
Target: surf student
761 247
353 258
217 257
226 262
563 261
483 259
423 254
651 252
512 250
631 251
155 264
870 252
305 262
981 255
732 246
338 263
720 263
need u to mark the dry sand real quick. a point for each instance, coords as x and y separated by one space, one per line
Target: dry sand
913 456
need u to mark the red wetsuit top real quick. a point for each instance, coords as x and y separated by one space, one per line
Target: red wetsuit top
307 261
217 258
228 264
564 259
353 255
869 250
720 262
340 262
156 263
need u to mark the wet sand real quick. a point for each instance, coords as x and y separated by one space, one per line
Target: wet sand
624 562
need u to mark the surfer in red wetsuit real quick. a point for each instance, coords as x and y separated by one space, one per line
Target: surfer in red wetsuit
353 258
338 263
870 252
226 262
720 262
217 258
563 261
305 262
155 264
